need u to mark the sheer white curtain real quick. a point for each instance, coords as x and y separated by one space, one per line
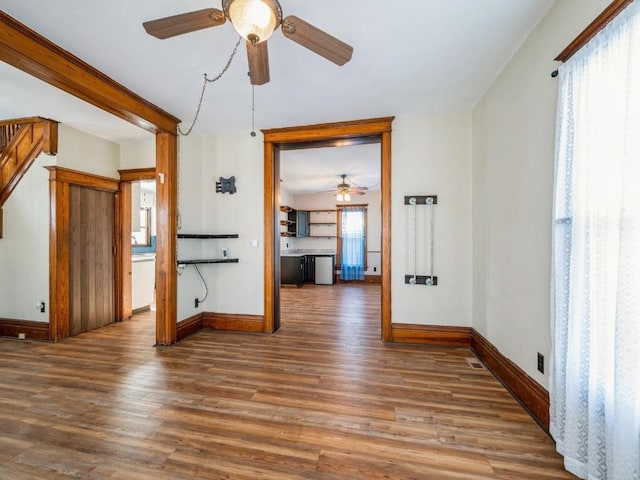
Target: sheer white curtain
595 370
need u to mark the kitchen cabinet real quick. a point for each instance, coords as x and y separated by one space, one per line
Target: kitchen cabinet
309 268
292 270
302 223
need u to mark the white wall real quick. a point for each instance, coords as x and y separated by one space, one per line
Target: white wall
86 153
513 147
234 288
24 250
138 154
432 156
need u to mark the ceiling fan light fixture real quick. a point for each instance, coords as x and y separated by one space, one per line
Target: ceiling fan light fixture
254 20
347 197
340 197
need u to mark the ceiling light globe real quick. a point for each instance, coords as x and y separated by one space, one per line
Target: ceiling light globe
347 197
254 20
340 197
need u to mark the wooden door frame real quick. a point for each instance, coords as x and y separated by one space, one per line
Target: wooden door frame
123 269
60 181
32 53
375 130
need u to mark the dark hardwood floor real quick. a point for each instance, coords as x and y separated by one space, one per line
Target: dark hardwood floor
321 399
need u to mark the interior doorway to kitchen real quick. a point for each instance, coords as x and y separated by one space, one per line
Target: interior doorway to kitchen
367 132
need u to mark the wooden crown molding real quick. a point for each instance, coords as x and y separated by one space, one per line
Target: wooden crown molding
137 174
329 131
82 179
611 12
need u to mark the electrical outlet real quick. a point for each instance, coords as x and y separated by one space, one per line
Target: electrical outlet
375 269
22 336
540 362
196 303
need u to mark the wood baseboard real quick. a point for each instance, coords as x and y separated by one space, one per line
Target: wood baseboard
189 326
32 330
137 311
373 279
431 335
230 321
530 393
219 321
533 397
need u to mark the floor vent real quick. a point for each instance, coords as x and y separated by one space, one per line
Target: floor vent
475 363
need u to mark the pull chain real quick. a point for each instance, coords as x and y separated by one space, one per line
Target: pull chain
253 110
207 81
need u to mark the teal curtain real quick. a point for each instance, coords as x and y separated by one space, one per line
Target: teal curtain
353 236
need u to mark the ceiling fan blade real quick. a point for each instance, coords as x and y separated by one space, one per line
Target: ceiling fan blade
258 55
356 187
184 23
316 40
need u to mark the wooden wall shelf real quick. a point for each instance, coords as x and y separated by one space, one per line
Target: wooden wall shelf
207 235
207 260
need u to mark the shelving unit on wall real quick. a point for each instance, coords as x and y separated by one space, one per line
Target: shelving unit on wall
206 236
287 221
323 224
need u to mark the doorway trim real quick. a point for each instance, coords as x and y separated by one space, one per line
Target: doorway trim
375 130
60 180
123 270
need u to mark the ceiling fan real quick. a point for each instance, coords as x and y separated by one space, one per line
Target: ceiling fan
255 21
344 190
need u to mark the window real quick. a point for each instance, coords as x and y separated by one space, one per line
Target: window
352 242
594 384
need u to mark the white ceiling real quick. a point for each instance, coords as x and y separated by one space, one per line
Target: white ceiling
410 57
318 169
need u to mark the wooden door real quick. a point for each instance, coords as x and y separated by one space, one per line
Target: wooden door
91 259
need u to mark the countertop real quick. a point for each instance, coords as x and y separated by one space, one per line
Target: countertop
143 257
301 253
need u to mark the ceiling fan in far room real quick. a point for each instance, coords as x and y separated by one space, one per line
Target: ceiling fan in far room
255 21
344 190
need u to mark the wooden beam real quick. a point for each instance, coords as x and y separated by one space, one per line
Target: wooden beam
58 258
30 52
385 267
123 262
271 236
166 234
611 12
329 131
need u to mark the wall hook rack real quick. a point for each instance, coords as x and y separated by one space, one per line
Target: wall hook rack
430 201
